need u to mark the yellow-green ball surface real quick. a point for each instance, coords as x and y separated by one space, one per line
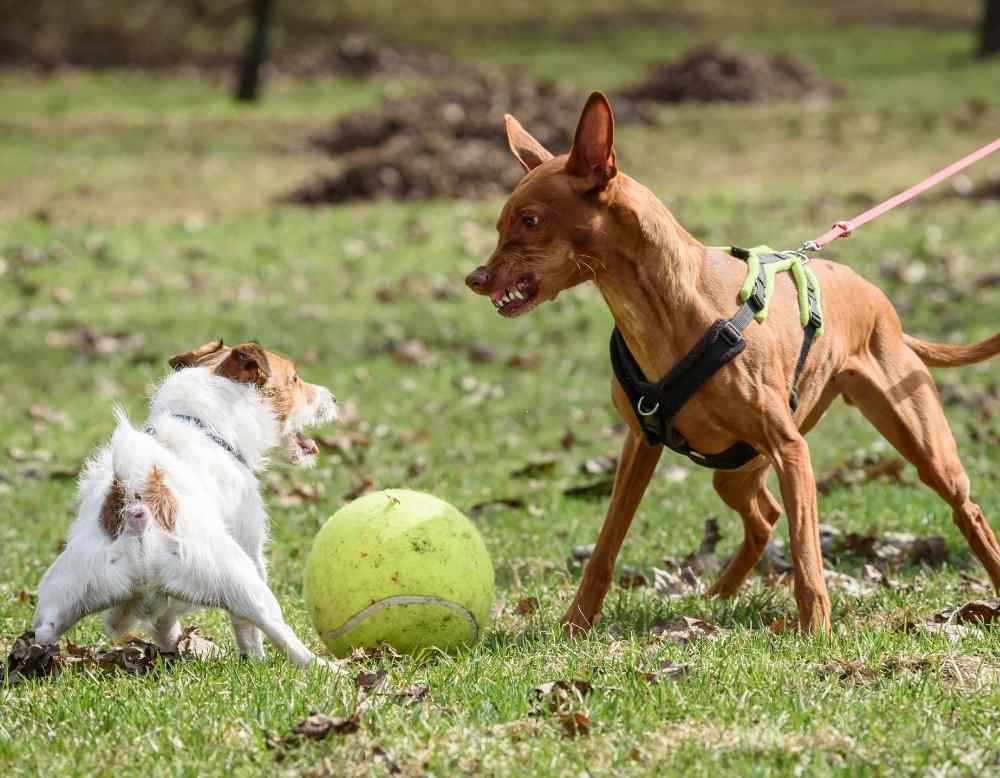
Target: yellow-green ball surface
398 567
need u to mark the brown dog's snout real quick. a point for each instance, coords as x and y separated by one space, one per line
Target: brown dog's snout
479 279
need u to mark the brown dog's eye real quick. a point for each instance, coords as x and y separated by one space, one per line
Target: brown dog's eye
529 220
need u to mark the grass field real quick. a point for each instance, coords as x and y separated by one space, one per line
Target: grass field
138 219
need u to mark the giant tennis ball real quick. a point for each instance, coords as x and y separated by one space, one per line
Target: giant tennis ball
398 567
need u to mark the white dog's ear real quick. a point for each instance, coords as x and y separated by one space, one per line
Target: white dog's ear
246 364
192 358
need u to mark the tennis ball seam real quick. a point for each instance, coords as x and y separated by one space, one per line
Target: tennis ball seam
404 599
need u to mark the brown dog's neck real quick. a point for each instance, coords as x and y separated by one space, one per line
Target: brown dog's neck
652 277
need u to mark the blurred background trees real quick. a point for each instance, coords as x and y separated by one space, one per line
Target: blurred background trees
989 29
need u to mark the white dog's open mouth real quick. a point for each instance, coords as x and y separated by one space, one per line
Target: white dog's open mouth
307 446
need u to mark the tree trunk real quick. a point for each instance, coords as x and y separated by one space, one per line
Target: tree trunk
248 88
989 29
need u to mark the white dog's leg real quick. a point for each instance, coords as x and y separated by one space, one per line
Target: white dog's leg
167 629
224 575
119 619
248 638
75 587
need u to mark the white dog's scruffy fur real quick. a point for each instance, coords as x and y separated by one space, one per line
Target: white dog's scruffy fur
188 523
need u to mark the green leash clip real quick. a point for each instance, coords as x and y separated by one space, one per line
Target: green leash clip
803 276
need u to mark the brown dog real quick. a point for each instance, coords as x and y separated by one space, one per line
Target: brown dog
574 218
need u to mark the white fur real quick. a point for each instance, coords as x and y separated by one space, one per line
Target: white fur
213 557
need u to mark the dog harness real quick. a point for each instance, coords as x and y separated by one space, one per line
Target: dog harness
208 432
657 403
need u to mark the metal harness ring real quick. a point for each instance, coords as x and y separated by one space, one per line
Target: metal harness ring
641 412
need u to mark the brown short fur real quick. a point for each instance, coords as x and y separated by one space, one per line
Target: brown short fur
575 218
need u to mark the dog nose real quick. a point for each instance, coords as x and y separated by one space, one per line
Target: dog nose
138 513
479 279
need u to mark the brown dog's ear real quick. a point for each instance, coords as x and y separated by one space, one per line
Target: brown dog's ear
529 152
593 153
191 358
246 364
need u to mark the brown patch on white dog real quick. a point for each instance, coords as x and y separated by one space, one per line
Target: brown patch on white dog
161 501
112 510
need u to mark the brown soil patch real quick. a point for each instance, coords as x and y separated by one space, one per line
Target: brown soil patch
450 143
714 74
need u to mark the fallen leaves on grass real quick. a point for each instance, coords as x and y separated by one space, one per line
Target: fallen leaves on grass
976 611
666 670
846 584
316 726
703 558
562 700
526 606
860 469
599 465
592 490
362 486
687 629
28 659
671 586
94 344
959 672
543 466
514 503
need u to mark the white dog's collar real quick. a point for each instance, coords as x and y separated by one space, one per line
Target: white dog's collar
208 432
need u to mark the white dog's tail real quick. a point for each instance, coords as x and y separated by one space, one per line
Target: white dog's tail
139 481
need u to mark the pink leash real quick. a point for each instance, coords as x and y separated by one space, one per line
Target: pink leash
845 229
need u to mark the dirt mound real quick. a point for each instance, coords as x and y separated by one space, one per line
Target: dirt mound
449 143
360 56
713 74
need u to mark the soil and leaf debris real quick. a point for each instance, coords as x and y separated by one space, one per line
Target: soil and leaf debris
451 143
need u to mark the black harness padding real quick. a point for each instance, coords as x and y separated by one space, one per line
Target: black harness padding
657 403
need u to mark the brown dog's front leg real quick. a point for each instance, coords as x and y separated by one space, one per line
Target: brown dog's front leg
635 468
798 491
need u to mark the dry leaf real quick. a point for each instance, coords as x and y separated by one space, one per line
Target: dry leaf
556 695
514 503
672 587
526 606
28 659
369 681
599 465
364 485
575 723
591 491
977 611
667 670
317 726
687 629
841 582
542 466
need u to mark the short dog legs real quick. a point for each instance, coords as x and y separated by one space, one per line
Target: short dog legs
635 468
230 580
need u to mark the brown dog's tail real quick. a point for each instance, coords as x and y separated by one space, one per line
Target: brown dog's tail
943 355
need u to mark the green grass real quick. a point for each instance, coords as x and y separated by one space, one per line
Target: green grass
143 205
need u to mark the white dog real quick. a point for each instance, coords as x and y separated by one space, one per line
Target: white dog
171 516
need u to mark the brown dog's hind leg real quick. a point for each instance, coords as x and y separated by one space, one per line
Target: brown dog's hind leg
744 491
898 397
635 468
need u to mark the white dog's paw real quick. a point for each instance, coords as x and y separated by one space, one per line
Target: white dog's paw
333 665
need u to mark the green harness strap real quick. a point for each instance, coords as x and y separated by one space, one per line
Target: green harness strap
803 276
